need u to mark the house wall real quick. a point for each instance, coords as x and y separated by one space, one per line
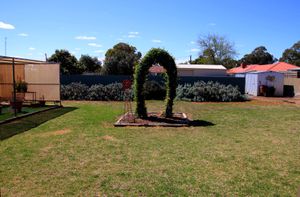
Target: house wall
44 80
254 80
278 82
251 84
201 72
295 82
6 79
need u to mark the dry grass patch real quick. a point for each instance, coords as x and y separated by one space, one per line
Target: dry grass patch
56 133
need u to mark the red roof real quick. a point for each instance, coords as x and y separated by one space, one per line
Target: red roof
276 67
157 69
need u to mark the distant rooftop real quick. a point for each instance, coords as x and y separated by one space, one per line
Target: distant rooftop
200 66
277 67
160 69
9 60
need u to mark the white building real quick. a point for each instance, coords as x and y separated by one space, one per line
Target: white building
196 70
268 79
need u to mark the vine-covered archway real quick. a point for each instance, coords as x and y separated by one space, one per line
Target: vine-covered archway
163 58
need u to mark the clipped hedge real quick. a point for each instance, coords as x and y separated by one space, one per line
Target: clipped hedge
74 91
99 92
198 92
163 58
210 91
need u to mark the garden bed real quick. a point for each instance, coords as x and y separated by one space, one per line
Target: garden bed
154 119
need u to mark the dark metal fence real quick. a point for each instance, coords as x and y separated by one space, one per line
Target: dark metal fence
107 79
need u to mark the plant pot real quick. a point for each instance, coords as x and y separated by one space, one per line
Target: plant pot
20 96
16 105
262 90
42 103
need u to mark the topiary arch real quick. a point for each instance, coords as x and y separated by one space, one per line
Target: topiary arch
163 58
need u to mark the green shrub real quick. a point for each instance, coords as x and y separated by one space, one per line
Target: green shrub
154 91
210 91
98 92
74 91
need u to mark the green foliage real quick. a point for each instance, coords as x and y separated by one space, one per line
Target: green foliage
292 55
68 62
210 91
216 49
120 60
89 64
155 56
21 86
260 56
74 91
154 91
99 92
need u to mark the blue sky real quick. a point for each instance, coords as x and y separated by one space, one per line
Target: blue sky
35 27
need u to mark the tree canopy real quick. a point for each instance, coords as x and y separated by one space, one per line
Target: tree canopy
216 49
90 64
121 59
68 62
259 55
292 55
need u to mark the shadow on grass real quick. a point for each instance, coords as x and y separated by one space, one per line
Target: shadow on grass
15 127
177 120
200 123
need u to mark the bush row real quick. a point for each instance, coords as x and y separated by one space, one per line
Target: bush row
210 91
199 91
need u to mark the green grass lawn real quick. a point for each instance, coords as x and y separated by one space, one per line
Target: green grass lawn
252 149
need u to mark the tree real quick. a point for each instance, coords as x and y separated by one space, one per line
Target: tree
68 62
90 64
121 59
215 49
292 55
259 55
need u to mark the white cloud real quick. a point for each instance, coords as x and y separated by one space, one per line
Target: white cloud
77 49
156 41
193 42
31 48
85 38
94 45
212 24
99 51
133 34
23 34
6 26
195 50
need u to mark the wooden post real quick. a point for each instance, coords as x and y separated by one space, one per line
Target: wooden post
14 85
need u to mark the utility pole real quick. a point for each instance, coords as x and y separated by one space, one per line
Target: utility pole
190 59
5 46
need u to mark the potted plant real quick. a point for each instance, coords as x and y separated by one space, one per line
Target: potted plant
42 102
21 86
17 104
